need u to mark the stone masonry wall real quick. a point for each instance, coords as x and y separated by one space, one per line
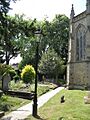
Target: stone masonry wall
79 77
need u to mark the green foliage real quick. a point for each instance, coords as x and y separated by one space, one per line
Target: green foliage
15 34
12 73
4 31
5 5
5 69
28 74
5 107
27 60
61 82
16 85
47 63
50 64
42 90
59 35
8 103
54 35
16 78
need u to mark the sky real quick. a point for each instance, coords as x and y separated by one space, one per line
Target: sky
41 9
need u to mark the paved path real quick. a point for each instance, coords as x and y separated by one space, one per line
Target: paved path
26 110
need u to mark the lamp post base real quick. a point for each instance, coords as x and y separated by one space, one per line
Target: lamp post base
34 112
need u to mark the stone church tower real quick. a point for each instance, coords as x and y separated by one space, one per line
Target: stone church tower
78 67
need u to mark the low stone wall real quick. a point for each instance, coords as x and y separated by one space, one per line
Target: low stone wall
24 95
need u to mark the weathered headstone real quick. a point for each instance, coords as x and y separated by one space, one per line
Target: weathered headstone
6 80
87 98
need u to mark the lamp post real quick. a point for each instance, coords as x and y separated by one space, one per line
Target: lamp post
34 112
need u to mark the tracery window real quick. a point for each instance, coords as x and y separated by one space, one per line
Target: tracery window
80 42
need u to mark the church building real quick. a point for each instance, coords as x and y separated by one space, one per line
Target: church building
78 67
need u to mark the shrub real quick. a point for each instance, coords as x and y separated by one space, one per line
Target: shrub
16 78
13 85
12 73
7 69
28 74
61 81
5 107
4 69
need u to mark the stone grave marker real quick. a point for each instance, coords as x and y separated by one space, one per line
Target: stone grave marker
6 80
87 98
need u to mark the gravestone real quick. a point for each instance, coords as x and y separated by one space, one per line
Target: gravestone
6 80
87 98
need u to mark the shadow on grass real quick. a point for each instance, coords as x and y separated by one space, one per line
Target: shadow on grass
38 117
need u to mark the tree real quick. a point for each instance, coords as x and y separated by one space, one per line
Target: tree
4 8
17 31
50 64
55 35
59 35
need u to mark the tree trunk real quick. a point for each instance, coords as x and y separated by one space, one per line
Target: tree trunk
7 58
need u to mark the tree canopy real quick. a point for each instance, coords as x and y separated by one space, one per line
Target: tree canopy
50 64
17 37
55 35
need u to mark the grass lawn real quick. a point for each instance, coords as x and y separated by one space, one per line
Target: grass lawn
41 89
72 109
8 103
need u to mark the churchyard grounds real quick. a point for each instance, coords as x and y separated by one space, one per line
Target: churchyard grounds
8 103
73 108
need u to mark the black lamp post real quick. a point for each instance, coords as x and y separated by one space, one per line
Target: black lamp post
34 112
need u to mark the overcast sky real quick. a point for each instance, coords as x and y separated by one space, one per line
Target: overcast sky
47 8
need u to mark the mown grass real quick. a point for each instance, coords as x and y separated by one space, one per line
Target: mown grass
8 103
73 108
19 85
42 88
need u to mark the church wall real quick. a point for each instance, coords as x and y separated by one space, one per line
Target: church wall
78 67
80 76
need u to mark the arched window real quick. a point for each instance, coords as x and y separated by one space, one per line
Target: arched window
80 42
